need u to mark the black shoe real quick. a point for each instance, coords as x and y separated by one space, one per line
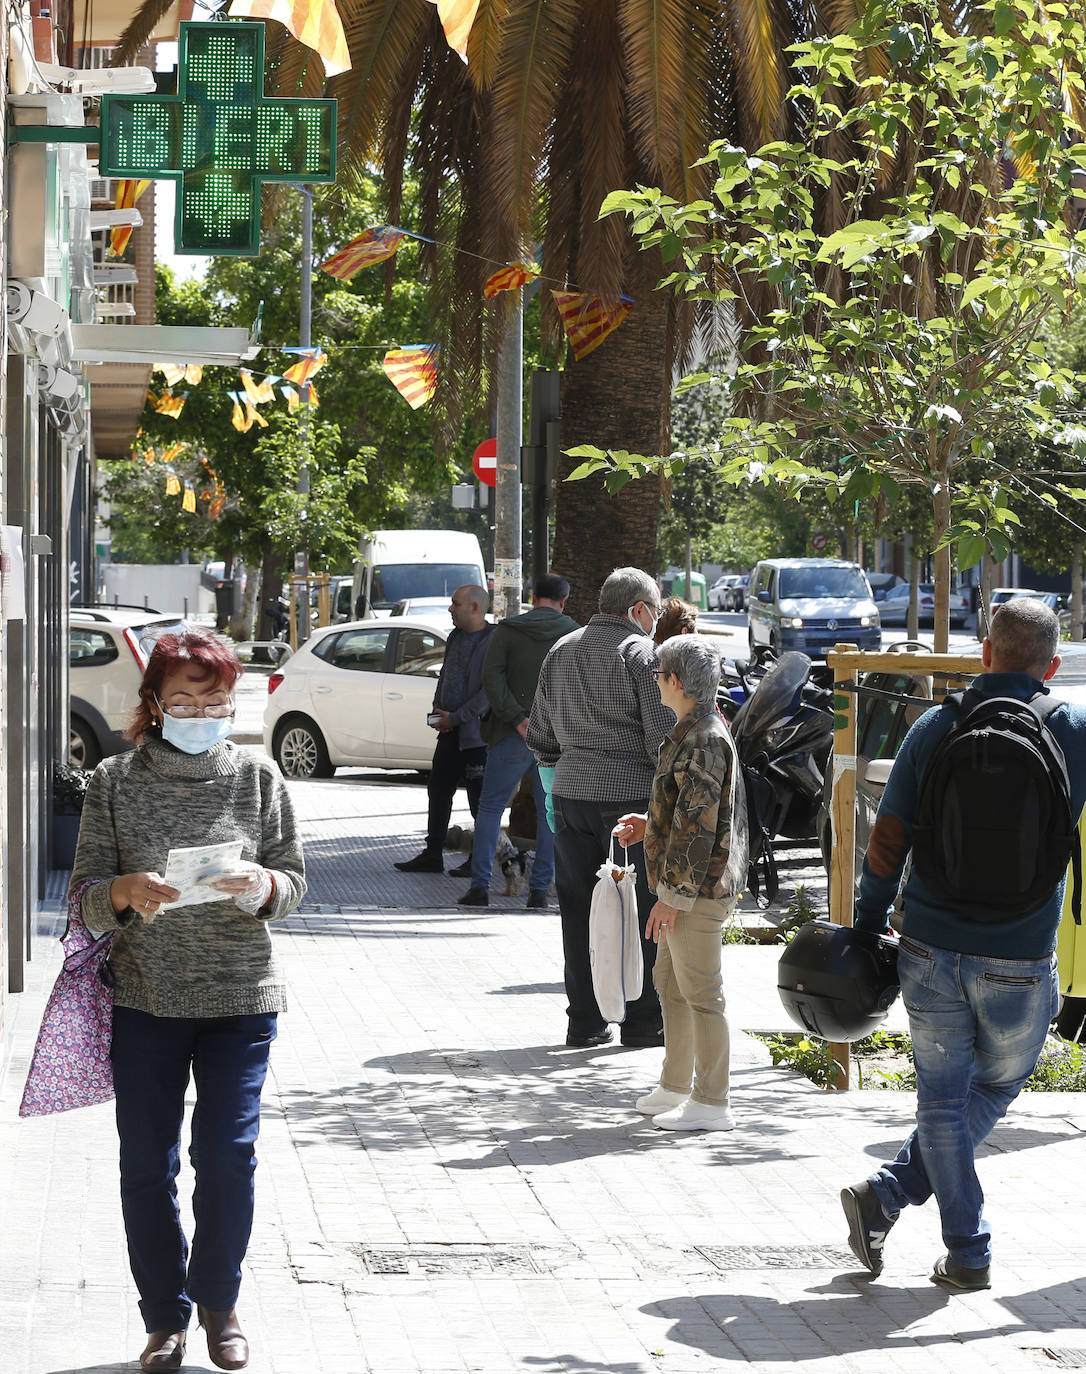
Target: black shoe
422 863
952 1275
475 896
537 901
868 1224
461 870
588 1042
642 1039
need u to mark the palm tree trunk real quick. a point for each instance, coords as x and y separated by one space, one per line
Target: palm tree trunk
618 397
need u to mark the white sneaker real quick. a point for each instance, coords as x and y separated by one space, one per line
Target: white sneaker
659 1100
695 1116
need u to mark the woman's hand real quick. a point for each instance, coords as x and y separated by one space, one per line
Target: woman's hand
249 885
143 892
662 919
630 829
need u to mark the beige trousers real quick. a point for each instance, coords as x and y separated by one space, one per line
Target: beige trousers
696 1042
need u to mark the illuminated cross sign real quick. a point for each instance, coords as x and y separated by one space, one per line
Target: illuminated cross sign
219 137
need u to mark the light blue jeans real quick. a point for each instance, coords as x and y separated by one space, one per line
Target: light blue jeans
506 763
978 1027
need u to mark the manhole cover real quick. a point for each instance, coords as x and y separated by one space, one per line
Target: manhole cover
449 1259
726 1257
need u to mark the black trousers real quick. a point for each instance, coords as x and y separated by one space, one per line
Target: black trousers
582 839
451 767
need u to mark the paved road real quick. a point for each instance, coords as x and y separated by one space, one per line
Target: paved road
443 1187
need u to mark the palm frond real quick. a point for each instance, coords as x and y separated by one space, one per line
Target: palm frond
761 30
141 26
485 40
665 43
529 84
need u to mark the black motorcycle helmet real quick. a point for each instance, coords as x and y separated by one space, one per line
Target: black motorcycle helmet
838 983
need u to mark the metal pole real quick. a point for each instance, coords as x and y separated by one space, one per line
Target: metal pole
507 497
300 608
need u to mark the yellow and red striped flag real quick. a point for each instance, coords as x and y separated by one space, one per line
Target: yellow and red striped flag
413 372
509 278
316 23
375 245
128 192
588 320
173 484
260 393
241 420
457 17
188 501
305 367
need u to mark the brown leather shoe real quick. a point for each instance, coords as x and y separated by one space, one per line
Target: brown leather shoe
226 1343
165 1350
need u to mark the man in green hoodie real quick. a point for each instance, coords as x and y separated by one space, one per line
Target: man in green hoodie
511 669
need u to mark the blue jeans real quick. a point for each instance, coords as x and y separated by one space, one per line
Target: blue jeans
152 1056
506 763
978 1026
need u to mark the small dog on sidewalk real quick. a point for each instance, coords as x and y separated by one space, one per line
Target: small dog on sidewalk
512 862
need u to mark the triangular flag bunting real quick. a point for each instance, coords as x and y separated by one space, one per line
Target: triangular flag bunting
375 245
128 192
258 392
240 419
188 501
306 367
587 320
457 17
413 372
316 23
172 372
509 278
173 484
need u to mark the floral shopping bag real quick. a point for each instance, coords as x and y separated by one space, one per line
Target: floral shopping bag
614 940
70 1066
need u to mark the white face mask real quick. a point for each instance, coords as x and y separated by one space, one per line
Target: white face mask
631 616
195 736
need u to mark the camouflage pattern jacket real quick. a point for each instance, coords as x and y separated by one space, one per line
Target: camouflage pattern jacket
696 835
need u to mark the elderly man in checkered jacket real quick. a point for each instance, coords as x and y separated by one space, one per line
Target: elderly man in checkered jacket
596 727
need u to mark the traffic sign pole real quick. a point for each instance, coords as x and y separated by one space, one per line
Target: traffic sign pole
507 497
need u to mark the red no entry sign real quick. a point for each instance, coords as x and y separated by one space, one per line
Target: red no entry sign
484 462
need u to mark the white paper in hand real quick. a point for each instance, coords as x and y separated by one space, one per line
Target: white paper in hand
190 870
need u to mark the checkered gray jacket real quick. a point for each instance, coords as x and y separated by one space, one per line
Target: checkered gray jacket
597 717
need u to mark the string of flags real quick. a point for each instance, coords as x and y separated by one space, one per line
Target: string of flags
316 23
413 372
128 192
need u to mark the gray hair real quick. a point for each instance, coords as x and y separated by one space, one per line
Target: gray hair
625 588
1024 635
695 662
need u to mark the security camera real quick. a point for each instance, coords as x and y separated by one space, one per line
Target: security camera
34 310
57 382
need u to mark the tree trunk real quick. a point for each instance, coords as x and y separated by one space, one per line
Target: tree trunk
690 572
941 517
1076 590
618 397
912 619
984 606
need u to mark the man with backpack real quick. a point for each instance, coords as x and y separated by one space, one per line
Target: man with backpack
985 795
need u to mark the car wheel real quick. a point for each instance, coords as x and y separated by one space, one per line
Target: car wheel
300 751
83 750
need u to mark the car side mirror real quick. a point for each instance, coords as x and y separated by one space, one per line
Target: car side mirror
764 596
877 772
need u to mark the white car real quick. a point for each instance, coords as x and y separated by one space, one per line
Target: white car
356 695
105 667
435 610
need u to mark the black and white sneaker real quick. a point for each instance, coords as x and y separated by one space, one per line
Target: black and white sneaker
868 1224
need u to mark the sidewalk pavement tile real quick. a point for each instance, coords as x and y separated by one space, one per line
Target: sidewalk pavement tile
444 1187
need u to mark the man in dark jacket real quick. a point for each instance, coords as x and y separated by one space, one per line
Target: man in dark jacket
514 657
459 702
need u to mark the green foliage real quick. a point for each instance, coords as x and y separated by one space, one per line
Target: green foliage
812 1058
800 910
909 338
1060 1069
69 788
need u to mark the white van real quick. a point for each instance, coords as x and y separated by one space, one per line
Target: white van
399 564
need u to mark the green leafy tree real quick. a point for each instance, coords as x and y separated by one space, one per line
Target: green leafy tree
910 337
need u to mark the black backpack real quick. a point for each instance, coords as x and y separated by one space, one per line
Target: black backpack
994 829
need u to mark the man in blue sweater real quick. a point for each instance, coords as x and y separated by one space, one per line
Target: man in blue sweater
980 996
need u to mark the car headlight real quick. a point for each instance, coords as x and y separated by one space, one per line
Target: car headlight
793 622
868 620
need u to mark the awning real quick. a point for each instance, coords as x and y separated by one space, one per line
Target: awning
161 343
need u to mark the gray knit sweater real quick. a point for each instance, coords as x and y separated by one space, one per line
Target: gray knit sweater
212 959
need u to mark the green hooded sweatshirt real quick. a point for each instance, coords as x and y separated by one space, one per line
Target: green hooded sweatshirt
512 665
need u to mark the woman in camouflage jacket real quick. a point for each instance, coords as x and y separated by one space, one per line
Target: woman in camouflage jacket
695 836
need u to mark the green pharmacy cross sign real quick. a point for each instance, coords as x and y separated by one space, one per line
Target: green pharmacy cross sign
219 137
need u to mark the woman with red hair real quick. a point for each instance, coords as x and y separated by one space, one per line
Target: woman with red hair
197 987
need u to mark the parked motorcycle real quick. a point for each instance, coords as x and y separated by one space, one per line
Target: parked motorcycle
783 735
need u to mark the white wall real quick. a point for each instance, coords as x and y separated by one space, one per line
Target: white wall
160 586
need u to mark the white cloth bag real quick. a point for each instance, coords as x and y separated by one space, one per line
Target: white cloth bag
614 940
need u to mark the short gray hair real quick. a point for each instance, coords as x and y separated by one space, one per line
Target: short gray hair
695 662
625 588
1025 635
